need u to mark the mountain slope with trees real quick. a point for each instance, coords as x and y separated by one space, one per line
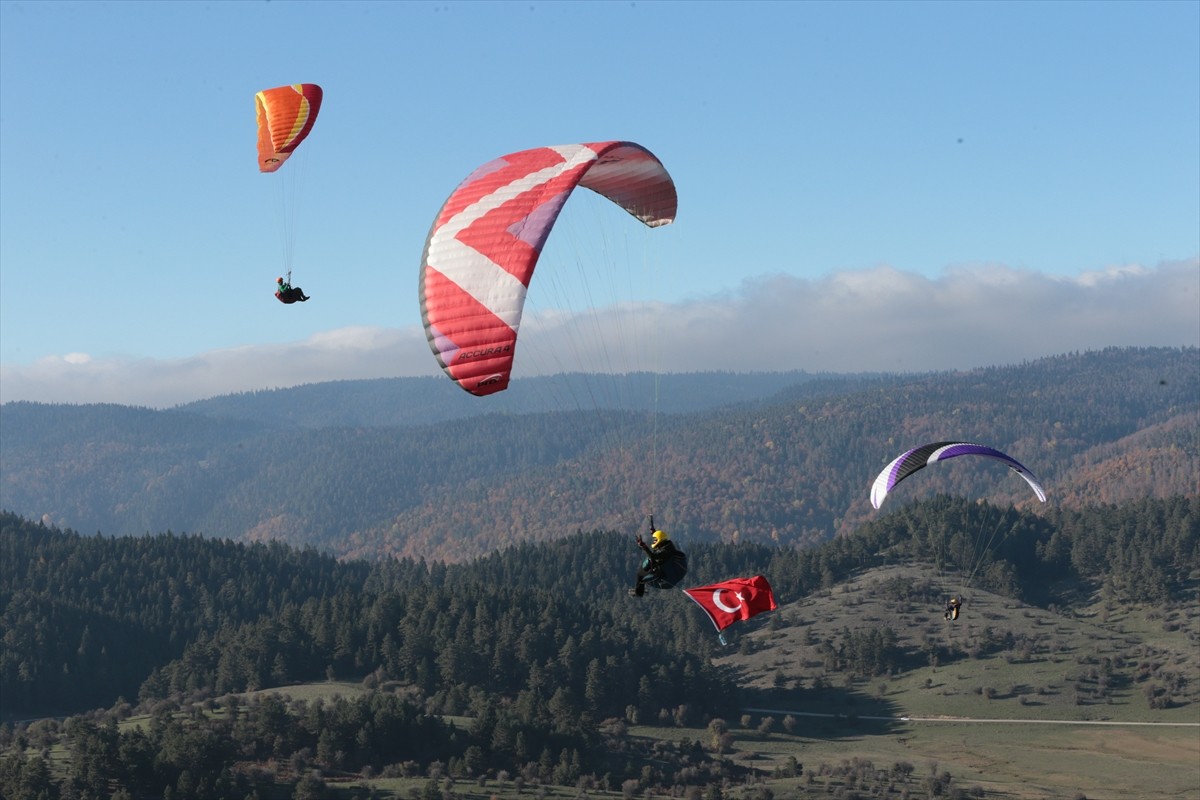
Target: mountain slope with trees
86 619
538 647
792 467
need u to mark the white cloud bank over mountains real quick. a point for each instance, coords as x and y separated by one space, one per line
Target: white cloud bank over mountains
879 319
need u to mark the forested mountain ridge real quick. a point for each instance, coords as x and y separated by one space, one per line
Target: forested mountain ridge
794 467
85 619
538 646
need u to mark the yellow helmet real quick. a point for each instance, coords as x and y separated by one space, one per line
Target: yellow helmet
659 537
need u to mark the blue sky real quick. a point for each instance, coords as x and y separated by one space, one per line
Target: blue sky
862 185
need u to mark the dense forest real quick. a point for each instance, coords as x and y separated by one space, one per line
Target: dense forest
537 646
369 468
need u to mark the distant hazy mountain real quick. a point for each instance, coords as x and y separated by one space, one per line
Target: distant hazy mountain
416 466
424 401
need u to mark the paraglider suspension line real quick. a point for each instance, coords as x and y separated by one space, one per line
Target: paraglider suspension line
983 546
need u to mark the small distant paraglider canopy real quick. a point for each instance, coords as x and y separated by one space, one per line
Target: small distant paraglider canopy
285 117
918 458
486 239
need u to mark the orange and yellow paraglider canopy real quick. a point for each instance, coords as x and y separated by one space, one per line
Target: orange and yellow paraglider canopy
285 117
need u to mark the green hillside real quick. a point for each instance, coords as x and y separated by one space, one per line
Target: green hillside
216 669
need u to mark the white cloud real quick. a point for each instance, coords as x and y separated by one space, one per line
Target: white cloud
879 319
346 353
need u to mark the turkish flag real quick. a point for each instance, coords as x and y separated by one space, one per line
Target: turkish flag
739 598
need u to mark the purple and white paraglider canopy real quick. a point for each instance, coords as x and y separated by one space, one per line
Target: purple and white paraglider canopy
918 458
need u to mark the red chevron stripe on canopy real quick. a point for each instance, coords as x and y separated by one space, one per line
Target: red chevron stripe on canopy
486 239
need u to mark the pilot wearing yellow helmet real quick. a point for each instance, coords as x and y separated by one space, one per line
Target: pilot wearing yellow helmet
664 565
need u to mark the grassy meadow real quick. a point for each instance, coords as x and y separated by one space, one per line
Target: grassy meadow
1020 701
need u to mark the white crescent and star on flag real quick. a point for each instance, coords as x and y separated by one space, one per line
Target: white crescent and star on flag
729 601
716 598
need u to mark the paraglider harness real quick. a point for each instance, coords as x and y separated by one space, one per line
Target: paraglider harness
952 607
288 294
663 570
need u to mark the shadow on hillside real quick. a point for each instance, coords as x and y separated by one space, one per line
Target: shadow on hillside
829 713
